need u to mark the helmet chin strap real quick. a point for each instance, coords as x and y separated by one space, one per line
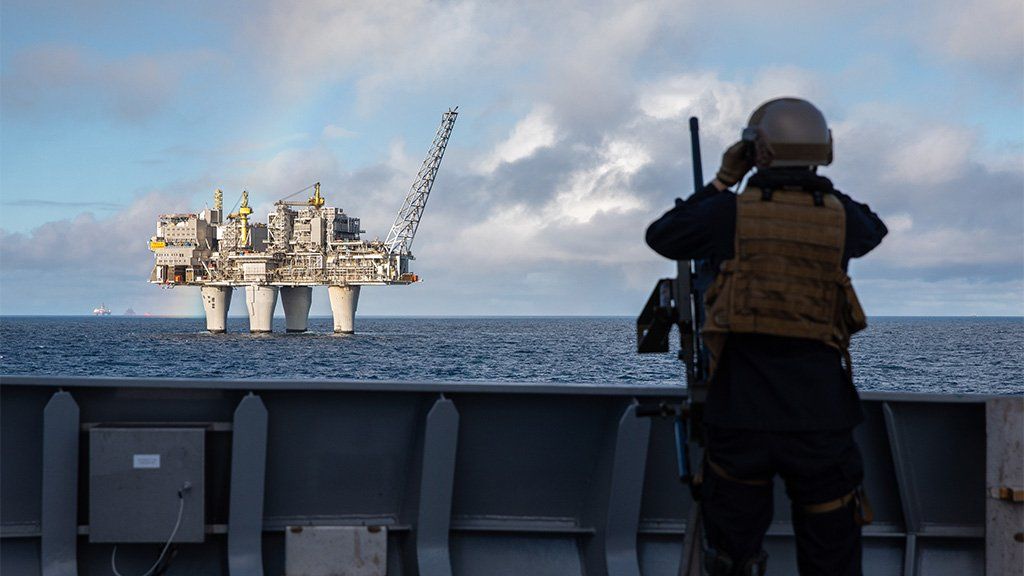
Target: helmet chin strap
812 169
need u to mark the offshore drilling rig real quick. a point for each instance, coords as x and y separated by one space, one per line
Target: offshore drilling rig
303 244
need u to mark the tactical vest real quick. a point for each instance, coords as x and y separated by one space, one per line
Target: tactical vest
786 278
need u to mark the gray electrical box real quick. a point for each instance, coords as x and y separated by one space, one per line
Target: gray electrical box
134 478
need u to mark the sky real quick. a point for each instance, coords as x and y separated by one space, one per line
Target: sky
572 137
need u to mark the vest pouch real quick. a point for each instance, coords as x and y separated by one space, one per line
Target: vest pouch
717 321
852 314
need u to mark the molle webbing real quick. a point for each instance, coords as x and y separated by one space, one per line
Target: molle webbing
788 253
786 278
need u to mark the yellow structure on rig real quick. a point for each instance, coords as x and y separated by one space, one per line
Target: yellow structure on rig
243 218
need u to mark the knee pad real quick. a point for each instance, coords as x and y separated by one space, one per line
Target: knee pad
720 564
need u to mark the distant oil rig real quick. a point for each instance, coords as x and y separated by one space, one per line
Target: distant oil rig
303 244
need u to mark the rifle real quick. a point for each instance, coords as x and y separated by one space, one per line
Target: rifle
679 302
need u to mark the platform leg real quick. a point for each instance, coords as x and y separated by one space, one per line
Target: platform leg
216 302
344 300
261 301
296 301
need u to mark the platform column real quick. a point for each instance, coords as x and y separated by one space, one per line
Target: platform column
261 301
344 300
296 301
216 301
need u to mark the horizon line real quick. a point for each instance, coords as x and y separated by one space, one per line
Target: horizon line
328 316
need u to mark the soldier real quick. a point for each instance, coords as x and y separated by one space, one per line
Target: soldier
780 313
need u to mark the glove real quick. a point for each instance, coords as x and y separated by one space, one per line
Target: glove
735 164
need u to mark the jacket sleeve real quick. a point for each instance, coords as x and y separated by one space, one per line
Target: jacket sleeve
688 230
864 229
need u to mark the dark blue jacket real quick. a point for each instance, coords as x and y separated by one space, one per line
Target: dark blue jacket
768 382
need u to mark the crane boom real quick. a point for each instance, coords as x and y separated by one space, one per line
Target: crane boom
399 240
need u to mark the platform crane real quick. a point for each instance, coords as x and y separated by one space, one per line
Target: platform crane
316 200
243 218
400 237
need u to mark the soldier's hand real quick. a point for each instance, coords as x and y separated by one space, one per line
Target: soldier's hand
735 164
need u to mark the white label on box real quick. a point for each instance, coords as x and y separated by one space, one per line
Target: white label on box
146 461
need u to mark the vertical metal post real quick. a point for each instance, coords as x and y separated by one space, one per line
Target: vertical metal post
440 445
58 549
248 477
692 559
1004 478
905 483
625 494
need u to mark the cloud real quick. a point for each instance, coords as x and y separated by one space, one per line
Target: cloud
378 44
29 202
985 33
68 266
941 297
723 106
577 52
579 140
587 198
950 214
114 245
533 132
332 132
933 155
61 79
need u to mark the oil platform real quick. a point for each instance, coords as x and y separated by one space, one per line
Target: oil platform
303 244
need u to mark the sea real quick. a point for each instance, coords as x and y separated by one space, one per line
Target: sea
913 354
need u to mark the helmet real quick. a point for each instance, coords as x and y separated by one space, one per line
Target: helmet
789 132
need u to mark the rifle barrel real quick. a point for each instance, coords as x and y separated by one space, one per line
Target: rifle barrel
698 171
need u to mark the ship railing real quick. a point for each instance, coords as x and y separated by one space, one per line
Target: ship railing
467 478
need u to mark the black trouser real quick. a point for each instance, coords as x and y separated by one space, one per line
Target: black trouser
817 467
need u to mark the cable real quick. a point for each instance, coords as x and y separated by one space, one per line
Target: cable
742 183
237 202
177 524
299 191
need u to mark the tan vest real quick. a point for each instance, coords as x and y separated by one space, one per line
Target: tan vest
786 278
